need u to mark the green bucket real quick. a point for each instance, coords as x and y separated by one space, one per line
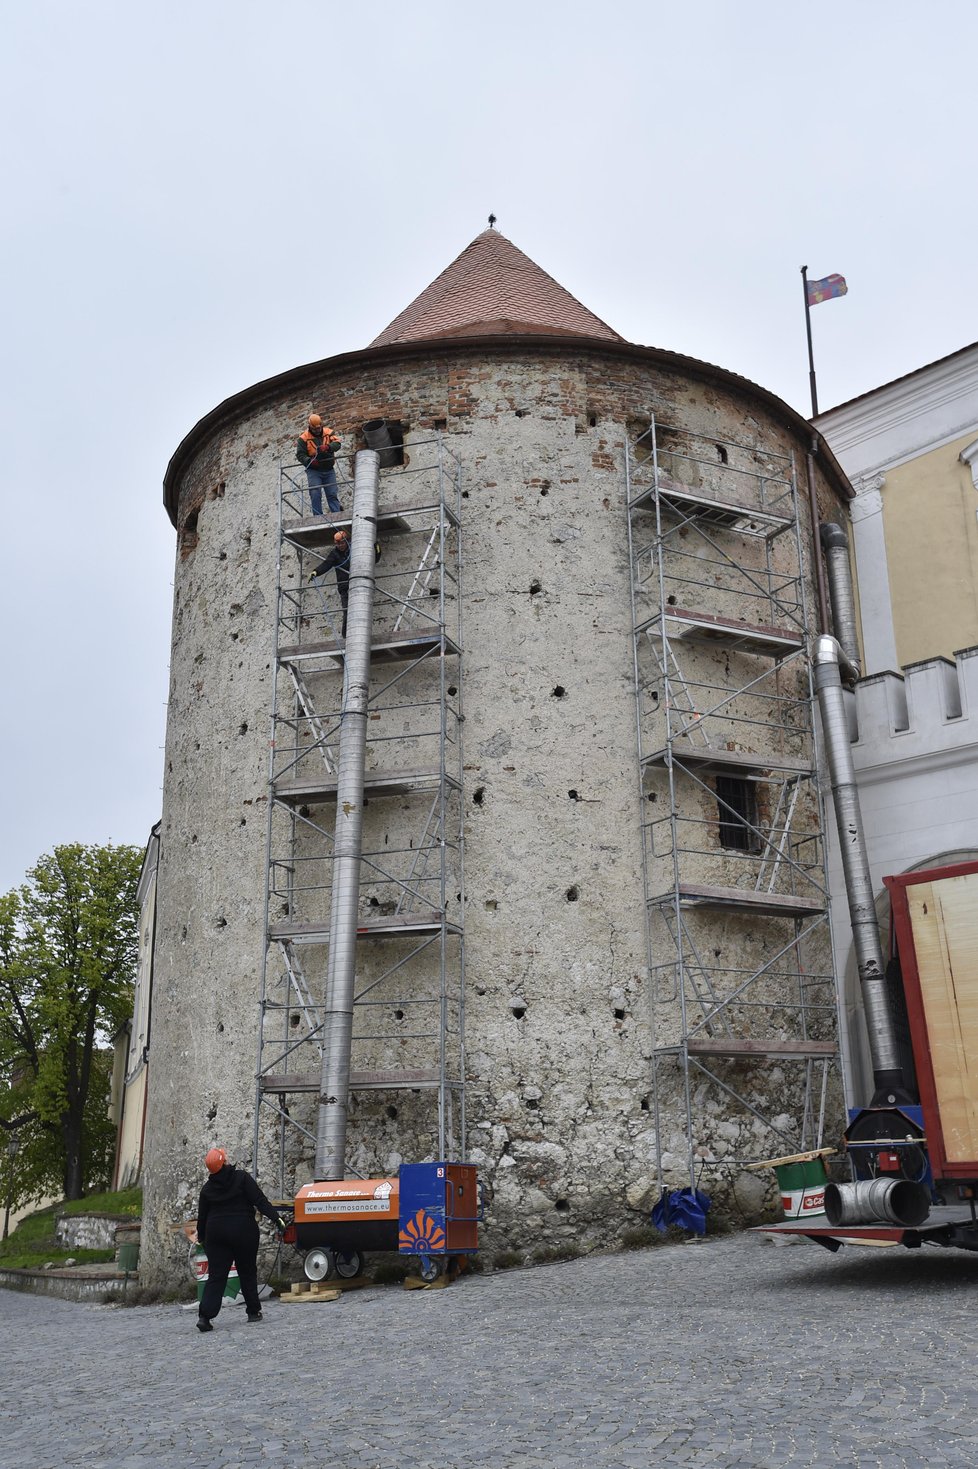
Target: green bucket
801 1182
129 1258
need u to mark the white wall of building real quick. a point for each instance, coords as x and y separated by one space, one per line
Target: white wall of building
916 760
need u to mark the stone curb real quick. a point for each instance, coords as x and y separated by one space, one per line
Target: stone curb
69 1285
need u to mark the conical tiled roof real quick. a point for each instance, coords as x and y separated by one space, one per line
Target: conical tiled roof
493 288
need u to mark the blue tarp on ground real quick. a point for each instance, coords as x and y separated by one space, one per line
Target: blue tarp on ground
685 1208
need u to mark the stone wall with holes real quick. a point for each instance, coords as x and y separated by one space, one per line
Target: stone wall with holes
558 1026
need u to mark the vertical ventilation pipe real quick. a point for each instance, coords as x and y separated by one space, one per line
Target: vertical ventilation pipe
377 436
823 601
835 545
334 1094
887 1074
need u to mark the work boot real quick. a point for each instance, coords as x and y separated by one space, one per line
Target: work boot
203 1324
255 1316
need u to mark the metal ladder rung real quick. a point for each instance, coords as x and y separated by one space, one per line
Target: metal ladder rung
301 986
421 580
695 727
315 722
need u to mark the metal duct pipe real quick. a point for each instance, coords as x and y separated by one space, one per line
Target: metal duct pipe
378 436
835 545
334 1092
855 865
877 1200
823 603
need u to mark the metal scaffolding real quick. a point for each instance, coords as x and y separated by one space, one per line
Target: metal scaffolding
409 999
733 854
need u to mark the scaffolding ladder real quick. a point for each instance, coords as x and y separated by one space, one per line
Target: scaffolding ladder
733 855
409 1003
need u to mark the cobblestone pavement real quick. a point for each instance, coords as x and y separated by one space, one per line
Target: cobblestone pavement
724 1353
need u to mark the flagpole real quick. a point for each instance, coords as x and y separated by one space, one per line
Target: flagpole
808 328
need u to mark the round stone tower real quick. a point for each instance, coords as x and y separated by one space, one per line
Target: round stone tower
623 543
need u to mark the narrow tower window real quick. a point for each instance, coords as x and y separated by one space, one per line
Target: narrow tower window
737 811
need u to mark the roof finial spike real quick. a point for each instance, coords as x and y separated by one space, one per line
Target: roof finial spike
492 221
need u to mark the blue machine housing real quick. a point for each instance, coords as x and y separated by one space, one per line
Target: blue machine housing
439 1209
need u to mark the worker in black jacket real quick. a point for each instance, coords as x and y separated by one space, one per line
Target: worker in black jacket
338 560
228 1231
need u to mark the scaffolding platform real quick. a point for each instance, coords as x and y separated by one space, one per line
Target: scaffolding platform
316 532
360 1081
396 648
747 520
703 627
772 1049
390 925
708 761
743 900
376 784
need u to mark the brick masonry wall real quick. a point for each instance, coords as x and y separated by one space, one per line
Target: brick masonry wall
559 1094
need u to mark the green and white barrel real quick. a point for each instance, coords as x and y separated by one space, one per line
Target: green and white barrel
801 1182
198 1269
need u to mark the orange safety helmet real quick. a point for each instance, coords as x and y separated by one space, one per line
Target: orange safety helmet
315 421
341 535
216 1160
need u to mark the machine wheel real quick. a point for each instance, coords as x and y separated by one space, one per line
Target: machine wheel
318 1264
431 1267
349 1264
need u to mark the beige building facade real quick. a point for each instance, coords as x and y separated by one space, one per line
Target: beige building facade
131 1069
910 449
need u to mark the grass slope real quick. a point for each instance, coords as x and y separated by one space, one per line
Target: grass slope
34 1242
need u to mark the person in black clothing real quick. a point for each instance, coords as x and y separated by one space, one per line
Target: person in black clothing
338 560
228 1230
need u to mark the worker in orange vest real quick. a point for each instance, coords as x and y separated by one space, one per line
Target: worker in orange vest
316 451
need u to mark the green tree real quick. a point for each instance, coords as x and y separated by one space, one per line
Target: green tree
68 950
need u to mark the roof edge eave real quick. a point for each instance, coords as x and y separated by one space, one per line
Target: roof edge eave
904 377
257 393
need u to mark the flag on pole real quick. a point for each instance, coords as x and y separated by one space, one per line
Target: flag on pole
824 290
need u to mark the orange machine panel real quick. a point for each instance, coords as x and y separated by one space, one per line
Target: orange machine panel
344 1200
462 1207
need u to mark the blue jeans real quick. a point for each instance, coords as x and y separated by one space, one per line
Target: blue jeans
319 480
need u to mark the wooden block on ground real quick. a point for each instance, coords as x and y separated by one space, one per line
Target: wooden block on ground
414 1282
311 1293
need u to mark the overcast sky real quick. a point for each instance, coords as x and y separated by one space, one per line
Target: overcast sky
201 194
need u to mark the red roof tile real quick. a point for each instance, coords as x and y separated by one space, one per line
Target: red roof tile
493 288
